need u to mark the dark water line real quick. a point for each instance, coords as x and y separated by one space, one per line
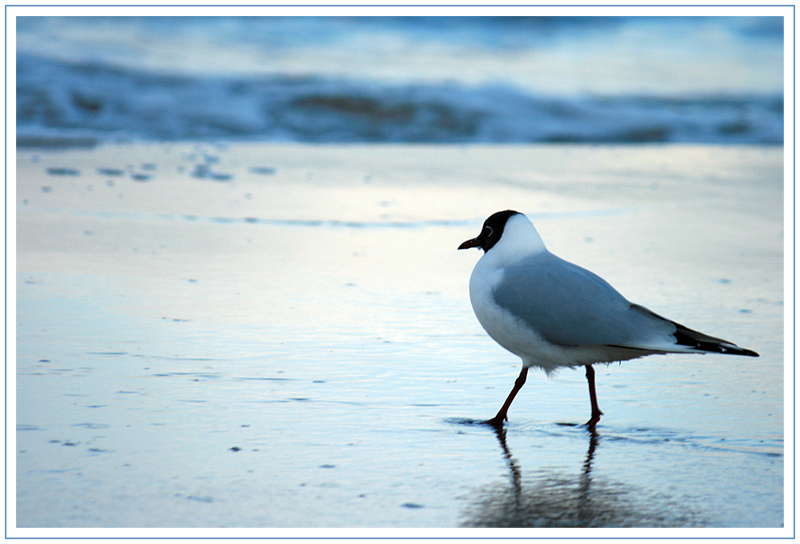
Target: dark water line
314 223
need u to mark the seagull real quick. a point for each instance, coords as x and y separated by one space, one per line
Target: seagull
552 313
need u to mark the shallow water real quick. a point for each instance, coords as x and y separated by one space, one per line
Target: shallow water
291 344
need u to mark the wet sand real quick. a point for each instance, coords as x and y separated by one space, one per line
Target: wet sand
280 336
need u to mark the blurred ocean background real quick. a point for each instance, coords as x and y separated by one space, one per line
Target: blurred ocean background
400 79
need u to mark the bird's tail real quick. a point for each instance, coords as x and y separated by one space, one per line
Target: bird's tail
685 336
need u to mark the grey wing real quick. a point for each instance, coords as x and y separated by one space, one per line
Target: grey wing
571 306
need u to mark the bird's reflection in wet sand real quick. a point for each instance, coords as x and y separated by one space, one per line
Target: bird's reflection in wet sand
551 499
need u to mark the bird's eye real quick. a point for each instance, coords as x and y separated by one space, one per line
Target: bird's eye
489 231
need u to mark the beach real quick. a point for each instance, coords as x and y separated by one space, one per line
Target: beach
266 335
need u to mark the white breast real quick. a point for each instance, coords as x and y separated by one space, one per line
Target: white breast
502 326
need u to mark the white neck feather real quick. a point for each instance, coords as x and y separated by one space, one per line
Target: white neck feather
520 239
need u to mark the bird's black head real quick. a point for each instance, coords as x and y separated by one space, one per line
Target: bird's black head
491 232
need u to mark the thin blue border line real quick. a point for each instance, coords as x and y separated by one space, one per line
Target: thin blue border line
5 264
5 301
793 6
794 256
5 258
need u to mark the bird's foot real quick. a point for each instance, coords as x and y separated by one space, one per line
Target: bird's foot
496 421
593 421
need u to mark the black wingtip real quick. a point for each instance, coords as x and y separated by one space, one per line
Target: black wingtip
736 350
688 337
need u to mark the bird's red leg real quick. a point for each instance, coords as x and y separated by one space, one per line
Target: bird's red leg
502 415
596 413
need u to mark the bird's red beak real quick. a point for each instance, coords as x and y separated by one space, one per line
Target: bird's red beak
471 243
